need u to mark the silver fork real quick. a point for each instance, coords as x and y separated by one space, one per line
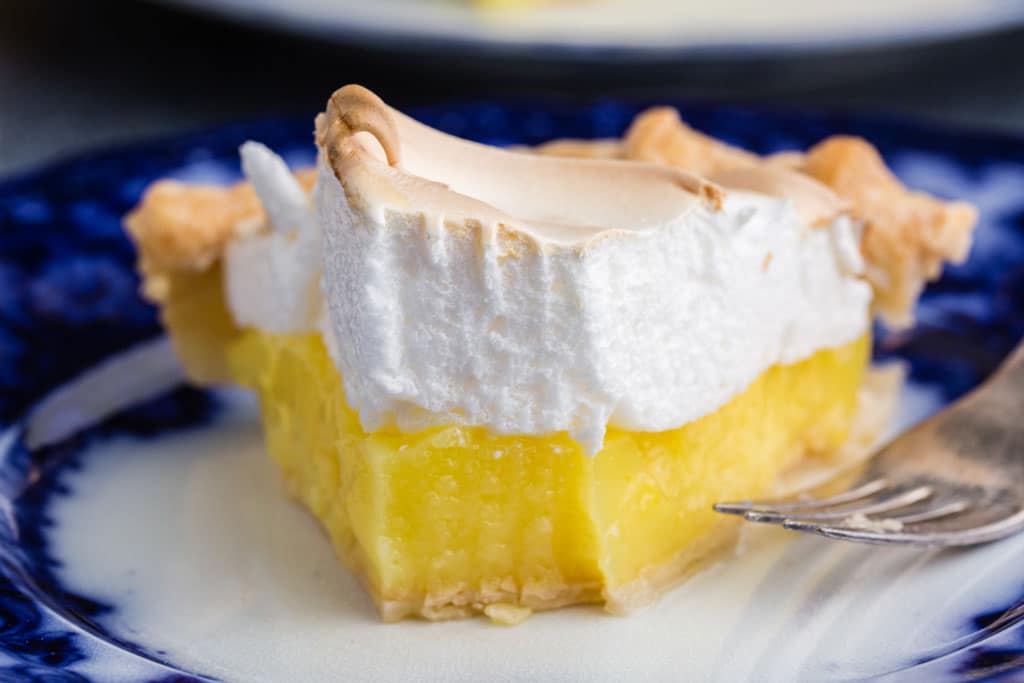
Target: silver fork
955 479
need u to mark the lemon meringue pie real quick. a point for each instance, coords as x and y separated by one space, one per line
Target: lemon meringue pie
514 380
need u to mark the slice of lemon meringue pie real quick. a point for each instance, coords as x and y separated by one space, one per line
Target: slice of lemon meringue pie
507 381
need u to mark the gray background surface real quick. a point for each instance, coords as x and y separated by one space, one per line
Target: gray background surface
77 74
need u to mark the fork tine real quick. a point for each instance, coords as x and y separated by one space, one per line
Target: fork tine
894 522
956 507
854 494
920 532
871 505
873 537
975 535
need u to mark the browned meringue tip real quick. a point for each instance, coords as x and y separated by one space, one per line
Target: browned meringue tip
353 109
712 194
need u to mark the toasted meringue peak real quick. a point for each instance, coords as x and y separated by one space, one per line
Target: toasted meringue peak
378 152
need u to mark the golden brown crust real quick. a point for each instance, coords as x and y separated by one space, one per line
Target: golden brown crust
908 235
180 232
459 603
179 227
658 135
182 227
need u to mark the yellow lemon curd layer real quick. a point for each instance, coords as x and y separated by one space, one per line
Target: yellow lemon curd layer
455 520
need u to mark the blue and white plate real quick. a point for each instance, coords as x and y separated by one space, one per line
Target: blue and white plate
159 545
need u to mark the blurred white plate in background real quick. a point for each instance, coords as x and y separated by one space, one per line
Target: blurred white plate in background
626 28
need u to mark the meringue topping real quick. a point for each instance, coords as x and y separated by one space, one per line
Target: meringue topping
529 294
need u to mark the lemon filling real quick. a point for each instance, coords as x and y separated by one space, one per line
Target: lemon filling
448 521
